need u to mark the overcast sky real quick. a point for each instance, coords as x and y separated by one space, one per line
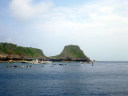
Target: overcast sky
99 27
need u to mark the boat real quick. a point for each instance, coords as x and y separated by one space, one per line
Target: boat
39 62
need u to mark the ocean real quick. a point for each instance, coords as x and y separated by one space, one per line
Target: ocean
104 78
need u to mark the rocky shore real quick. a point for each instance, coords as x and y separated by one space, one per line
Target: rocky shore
12 53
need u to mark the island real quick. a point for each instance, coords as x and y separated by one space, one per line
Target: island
10 52
71 53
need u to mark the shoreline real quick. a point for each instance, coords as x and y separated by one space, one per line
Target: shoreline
25 61
11 61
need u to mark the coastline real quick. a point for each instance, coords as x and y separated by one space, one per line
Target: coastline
57 60
11 61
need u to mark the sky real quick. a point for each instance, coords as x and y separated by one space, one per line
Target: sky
99 27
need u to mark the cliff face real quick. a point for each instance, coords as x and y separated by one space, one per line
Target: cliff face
72 53
9 51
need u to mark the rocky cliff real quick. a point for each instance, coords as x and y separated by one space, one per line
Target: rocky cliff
9 51
71 53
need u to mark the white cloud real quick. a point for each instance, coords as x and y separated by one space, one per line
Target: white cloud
101 25
26 9
83 17
97 17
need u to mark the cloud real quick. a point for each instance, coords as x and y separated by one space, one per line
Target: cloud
99 26
97 15
28 9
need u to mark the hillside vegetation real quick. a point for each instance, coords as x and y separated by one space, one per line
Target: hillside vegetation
9 50
72 52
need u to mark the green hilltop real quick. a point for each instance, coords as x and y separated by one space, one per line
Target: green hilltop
72 53
9 51
12 51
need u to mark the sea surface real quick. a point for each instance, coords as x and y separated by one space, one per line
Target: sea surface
64 79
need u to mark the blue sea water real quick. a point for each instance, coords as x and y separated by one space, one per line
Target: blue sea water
72 79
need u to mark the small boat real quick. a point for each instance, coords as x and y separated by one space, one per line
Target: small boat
39 62
35 61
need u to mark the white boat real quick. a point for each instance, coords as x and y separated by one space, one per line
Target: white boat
34 61
39 62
